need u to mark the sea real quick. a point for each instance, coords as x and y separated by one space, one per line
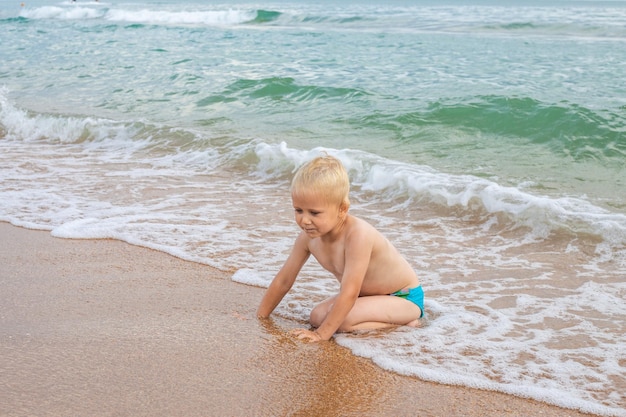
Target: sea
486 139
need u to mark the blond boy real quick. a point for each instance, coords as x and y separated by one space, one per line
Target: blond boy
379 289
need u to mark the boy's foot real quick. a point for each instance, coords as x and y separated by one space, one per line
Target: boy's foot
414 323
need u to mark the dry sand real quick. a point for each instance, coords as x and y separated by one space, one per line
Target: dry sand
103 328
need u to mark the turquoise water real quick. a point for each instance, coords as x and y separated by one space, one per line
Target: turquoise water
487 140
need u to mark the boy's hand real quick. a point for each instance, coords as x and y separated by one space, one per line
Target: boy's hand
304 334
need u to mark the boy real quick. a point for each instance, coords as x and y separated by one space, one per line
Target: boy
379 289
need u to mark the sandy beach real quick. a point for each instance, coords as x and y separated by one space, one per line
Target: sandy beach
103 328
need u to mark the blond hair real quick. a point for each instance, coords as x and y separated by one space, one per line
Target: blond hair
325 176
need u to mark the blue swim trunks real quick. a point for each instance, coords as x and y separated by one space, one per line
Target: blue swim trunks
414 295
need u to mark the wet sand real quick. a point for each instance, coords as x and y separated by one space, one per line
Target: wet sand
103 328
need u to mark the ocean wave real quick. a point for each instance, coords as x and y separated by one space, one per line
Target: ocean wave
18 125
217 17
148 16
278 88
265 16
406 185
21 126
567 129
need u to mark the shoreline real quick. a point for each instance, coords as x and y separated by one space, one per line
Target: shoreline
102 327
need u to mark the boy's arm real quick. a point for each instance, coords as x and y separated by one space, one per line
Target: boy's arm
358 252
284 279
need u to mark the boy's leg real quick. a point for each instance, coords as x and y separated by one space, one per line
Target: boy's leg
319 313
379 312
371 312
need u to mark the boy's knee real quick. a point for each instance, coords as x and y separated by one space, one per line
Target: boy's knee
317 316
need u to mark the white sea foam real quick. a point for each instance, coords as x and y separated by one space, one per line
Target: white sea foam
210 18
223 17
65 13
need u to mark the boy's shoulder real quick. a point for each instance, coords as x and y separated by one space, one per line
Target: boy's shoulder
360 228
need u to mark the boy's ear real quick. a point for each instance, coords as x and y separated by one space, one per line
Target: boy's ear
343 208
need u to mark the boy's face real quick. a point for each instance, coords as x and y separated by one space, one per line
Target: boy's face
315 215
